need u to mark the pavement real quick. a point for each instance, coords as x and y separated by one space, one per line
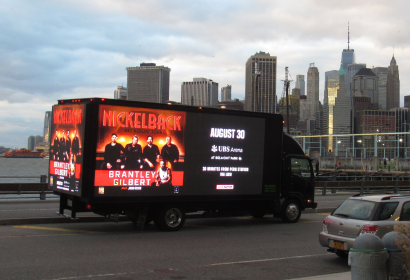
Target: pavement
88 219
335 276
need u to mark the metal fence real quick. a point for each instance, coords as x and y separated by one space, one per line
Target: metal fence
381 145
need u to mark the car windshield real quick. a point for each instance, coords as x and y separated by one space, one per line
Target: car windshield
355 209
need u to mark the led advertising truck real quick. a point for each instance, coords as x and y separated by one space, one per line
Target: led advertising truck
159 162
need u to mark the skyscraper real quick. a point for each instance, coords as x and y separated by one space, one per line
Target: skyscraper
407 101
300 84
121 93
47 124
348 57
199 92
365 83
393 86
312 91
226 93
381 73
336 107
261 67
148 82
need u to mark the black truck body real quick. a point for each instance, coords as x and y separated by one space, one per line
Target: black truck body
158 162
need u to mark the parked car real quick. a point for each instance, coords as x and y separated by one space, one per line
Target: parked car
375 214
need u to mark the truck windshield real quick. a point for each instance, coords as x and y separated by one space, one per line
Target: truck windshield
356 209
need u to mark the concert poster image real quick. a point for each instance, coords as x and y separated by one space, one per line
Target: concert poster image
66 148
139 151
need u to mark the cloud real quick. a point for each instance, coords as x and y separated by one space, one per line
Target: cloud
56 49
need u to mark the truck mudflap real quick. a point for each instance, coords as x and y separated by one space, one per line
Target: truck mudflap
73 204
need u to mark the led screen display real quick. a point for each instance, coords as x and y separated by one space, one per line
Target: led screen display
66 148
152 152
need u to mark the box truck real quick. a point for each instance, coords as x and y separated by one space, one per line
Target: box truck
159 162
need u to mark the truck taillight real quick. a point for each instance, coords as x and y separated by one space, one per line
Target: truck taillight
325 225
369 229
89 206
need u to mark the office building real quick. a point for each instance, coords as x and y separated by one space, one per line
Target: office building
226 93
296 92
359 104
407 101
121 93
303 108
348 57
365 83
300 84
148 82
393 86
260 83
33 141
372 121
312 91
199 92
232 105
337 109
352 70
381 73
47 125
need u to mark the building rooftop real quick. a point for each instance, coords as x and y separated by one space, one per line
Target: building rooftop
365 72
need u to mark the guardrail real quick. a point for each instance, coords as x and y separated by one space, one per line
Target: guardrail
363 186
25 188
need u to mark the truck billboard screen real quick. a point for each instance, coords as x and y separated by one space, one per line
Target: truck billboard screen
66 148
152 152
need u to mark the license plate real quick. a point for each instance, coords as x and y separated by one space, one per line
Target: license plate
338 245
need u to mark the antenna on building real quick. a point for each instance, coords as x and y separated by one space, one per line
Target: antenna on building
286 95
311 64
348 35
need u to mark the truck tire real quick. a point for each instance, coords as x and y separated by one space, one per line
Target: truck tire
291 211
170 219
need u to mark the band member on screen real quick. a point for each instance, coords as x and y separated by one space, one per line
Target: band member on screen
170 152
133 155
76 144
164 175
62 151
68 146
151 153
56 146
112 156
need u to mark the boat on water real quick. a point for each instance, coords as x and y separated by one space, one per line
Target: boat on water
47 157
24 153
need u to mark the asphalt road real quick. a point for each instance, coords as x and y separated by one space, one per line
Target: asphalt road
222 248
217 248
28 209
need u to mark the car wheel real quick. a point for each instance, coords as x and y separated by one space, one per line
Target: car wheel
291 211
170 219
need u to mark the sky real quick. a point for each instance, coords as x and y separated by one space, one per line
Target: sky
63 49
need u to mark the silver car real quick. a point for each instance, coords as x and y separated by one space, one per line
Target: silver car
376 214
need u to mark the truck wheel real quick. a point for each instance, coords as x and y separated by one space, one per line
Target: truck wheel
291 212
170 219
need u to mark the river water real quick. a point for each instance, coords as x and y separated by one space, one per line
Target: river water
22 167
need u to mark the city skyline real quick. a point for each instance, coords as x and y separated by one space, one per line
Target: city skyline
70 49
